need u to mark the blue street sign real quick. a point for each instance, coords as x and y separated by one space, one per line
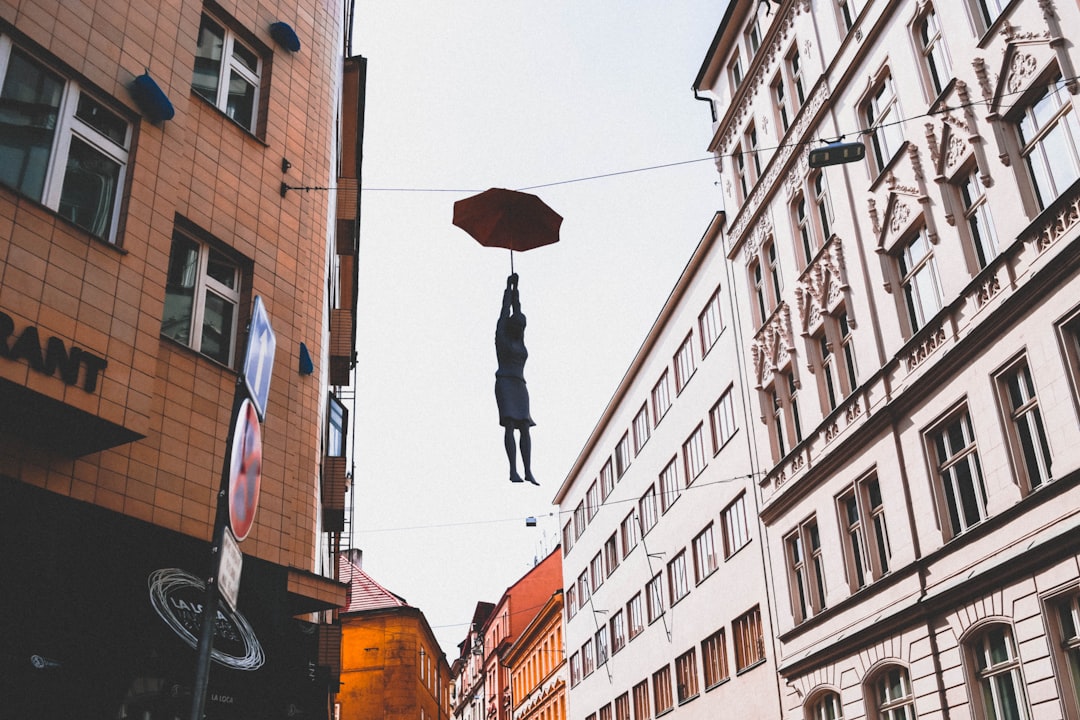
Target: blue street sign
259 359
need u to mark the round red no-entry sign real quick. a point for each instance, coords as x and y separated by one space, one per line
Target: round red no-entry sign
245 471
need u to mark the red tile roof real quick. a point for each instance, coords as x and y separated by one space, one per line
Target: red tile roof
363 593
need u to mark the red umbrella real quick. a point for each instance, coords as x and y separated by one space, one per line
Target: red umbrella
508 219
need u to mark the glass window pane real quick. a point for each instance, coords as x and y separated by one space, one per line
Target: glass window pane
89 191
217 328
222 269
208 54
180 290
246 57
29 107
105 121
241 102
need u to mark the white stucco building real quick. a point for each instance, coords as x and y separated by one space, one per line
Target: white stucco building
910 337
665 595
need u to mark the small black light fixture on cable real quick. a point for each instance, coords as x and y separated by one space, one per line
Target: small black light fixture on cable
285 187
836 153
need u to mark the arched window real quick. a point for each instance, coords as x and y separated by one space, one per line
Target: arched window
997 684
889 695
824 705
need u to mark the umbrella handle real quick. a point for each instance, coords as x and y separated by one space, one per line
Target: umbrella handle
511 261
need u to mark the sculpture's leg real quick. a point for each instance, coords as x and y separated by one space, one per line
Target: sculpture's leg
511 453
526 454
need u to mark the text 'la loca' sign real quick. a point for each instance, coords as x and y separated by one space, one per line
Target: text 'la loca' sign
53 357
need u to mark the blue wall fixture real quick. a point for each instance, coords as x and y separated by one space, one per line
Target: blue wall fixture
285 36
306 366
151 99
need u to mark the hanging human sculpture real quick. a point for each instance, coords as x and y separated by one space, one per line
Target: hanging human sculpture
517 221
511 392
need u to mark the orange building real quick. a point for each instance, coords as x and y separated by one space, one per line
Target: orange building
391 664
513 613
158 173
537 666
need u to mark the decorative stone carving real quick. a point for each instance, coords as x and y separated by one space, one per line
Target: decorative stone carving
926 348
1021 69
772 348
1061 222
822 286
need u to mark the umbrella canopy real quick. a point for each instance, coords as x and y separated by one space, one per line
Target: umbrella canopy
508 219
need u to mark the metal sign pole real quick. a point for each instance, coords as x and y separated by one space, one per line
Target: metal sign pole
213 598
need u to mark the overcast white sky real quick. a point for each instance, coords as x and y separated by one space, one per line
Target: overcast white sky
467 95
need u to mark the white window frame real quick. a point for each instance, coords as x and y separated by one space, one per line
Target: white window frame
735 525
806 571
710 323
693 454
69 126
1061 123
670 487
1029 445
229 64
706 561
684 363
999 683
722 420
920 286
957 471
204 285
678 579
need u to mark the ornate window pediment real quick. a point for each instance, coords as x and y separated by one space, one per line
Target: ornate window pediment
822 287
773 347
902 211
1026 58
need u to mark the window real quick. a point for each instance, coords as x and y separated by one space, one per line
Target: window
754 34
634 617
1066 616
579 519
202 299
60 146
647 509
866 537
607 480
835 376
990 10
592 501
670 488
714 659
749 642
849 12
622 455
641 428
662 690
785 428
227 72
584 589
568 537
736 530
978 227
825 706
705 560
571 601
765 283
959 475
588 659
783 111
806 573
722 420
654 598
1027 436
881 114
641 701
600 640
742 175
794 70
337 427
710 323
891 697
693 452
622 707
750 148
935 56
919 279
611 553
628 531
684 363
678 586
686 682
1050 142
996 670
596 571
575 669
736 71
605 713
661 397
618 632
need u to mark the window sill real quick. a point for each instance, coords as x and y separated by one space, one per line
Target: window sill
690 699
750 667
206 103
718 683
